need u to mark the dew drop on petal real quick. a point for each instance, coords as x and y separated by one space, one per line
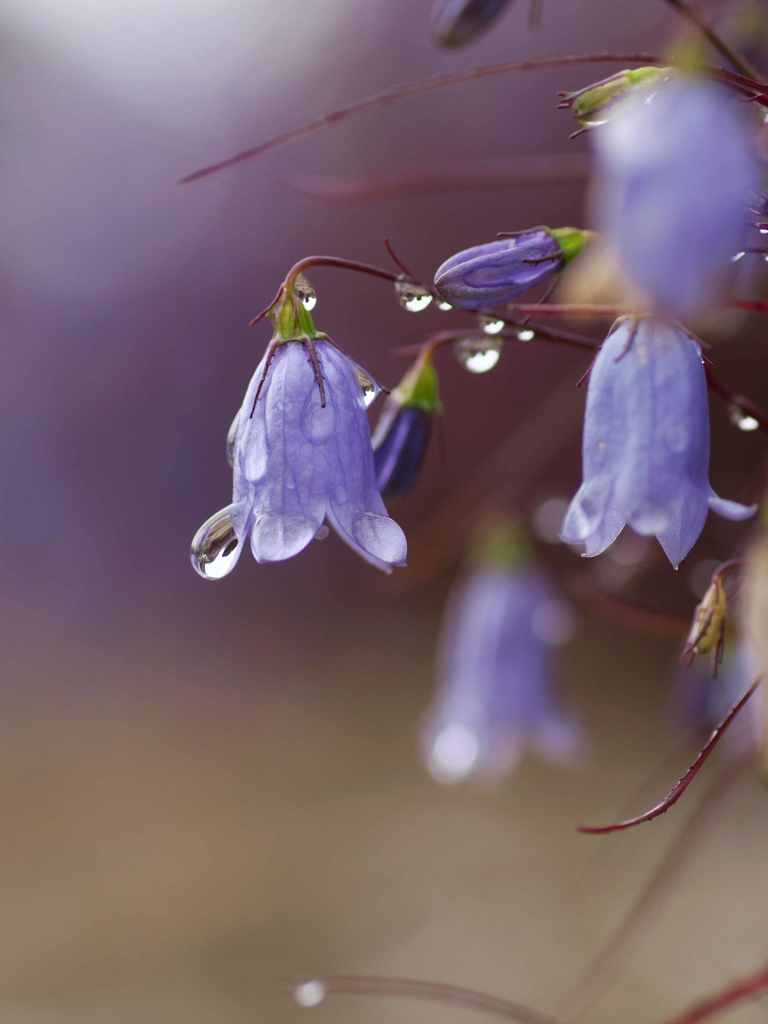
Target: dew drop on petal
526 334
215 547
491 325
478 355
446 307
413 297
742 419
309 993
738 257
322 532
453 753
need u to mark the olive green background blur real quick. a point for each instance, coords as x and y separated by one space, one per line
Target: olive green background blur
210 790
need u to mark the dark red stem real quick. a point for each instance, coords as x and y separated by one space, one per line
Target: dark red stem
747 988
684 782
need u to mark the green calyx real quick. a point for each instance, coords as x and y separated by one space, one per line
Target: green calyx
419 387
590 104
571 240
504 544
291 319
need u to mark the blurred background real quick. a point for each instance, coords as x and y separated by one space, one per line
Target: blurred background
211 790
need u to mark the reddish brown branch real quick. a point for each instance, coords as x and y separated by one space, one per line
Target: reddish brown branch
684 782
747 988
741 402
400 92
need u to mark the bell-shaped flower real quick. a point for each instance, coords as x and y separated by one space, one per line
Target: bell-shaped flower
457 22
301 453
498 272
675 179
402 433
646 443
496 693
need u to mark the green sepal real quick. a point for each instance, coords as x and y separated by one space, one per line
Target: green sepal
590 103
571 240
419 388
503 544
292 321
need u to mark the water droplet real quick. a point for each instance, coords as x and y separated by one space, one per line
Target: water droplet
526 334
743 420
478 355
453 753
305 292
764 231
491 325
215 547
322 532
446 307
309 993
413 297
369 388
738 256
231 436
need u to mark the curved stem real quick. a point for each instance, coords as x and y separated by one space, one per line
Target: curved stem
400 92
741 402
433 991
684 782
747 988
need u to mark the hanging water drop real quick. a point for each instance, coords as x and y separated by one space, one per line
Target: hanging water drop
739 256
478 355
309 993
306 293
413 297
216 547
526 334
491 325
368 387
446 307
231 438
322 532
743 420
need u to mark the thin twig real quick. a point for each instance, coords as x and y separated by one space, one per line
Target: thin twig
684 782
747 988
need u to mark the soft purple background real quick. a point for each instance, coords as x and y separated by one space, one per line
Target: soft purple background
210 788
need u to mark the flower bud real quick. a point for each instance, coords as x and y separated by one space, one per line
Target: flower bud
498 272
402 434
707 634
457 22
592 105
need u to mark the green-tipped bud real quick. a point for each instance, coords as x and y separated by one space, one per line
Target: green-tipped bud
502 544
592 105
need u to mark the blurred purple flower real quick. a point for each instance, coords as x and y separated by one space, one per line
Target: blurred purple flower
496 694
456 22
677 171
700 702
646 443
498 272
300 455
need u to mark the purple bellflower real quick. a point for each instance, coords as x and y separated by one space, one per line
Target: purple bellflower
498 272
646 443
402 433
496 694
300 448
457 22
677 171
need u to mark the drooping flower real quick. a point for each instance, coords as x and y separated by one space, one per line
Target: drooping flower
496 695
457 22
402 433
498 272
646 443
674 181
301 454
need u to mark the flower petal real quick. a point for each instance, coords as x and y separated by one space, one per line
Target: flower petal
592 519
277 537
685 522
732 510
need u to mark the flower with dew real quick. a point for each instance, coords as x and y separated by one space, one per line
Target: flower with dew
496 694
402 433
457 22
300 448
646 443
677 172
498 272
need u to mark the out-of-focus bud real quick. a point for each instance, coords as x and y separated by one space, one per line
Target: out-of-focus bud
592 105
498 272
457 22
496 695
707 634
402 434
